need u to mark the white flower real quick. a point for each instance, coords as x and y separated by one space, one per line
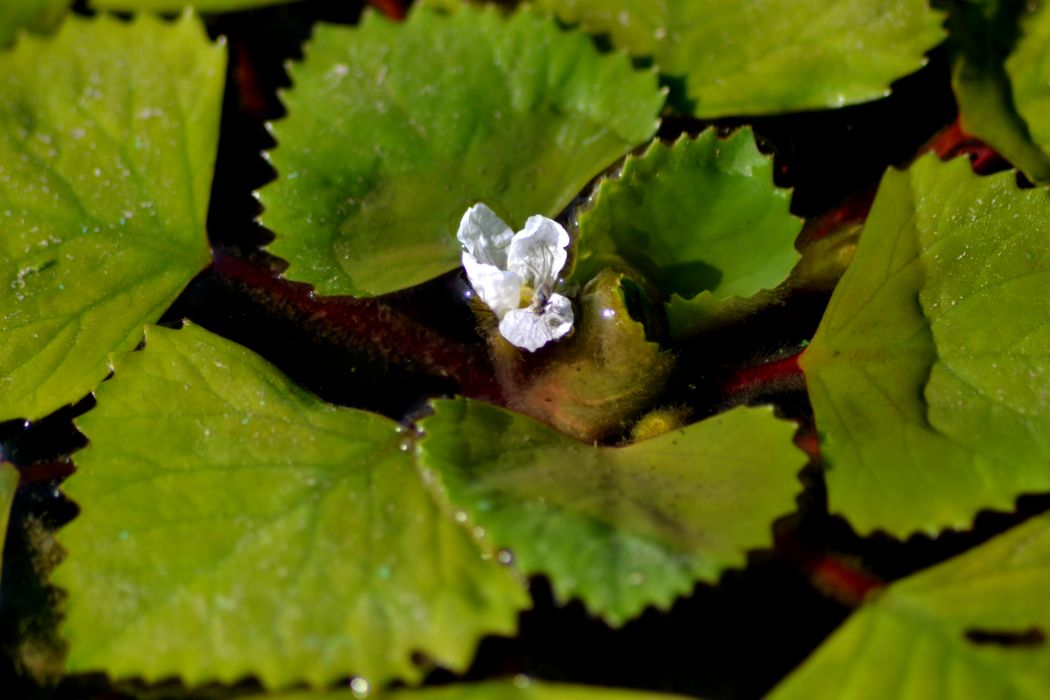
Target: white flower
503 267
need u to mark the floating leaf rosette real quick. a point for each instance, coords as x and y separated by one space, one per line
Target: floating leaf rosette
621 528
745 57
394 130
106 176
701 220
232 524
928 372
972 627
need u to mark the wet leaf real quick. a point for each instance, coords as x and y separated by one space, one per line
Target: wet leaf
1029 70
8 485
519 689
701 220
395 129
233 524
752 57
927 374
975 626
104 184
620 528
980 36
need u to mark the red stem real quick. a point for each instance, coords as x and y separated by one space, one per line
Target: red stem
953 141
766 376
394 9
852 211
806 440
46 471
370 324
837 576
246 79
842 579
769 378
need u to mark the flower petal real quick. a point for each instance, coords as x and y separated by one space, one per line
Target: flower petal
533 328
500 289
485 235
537 253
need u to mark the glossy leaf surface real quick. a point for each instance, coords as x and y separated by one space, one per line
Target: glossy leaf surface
1029 70
702 220
927 375
621 528
104 184
980 36
232 524
738 57
395 129
972 627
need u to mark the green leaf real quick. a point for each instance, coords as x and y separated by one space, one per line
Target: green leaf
702 220
982 88
104 183
746 57
621 528
518 689
176 5
395 129
927 372
8 486
35 15
972 627
233 524
1029 70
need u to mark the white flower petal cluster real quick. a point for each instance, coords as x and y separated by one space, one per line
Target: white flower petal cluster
504 267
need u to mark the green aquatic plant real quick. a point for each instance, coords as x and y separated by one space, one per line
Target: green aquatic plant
386 441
